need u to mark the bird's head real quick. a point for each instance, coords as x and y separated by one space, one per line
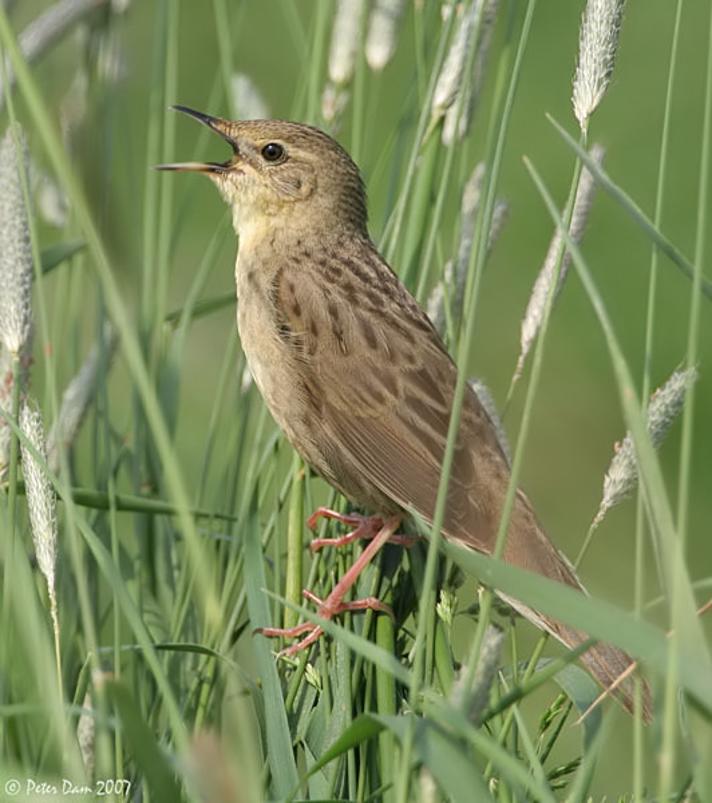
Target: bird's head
280 169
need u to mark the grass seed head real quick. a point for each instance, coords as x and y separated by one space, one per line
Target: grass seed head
536 307
664 407
86 735
459 116
334 100
76 399
598 45
15 246
345 38
6 405
383 32
41 501
473 701
450 82
247 100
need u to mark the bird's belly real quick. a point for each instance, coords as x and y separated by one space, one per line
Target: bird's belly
266 357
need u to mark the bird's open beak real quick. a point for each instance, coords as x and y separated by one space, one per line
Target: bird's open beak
221 127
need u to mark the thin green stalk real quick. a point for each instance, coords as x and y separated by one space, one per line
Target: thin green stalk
479 253
510 715
656 498
295 541
222 33
58 157
391 236
428 260
151 186
667 763
639 592
165 212
321 20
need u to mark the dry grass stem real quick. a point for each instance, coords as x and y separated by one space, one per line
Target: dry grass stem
536 307
15 248
665 406
382 35
598 45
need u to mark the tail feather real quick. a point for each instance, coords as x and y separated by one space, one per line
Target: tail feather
529 547
604 662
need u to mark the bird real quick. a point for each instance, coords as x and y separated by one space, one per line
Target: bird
358 378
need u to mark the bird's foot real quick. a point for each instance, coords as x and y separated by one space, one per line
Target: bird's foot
327 610
365 528
334 604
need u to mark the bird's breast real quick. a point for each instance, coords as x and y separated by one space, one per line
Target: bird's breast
264 352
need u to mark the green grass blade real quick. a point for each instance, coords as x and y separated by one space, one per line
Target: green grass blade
279 741
634 211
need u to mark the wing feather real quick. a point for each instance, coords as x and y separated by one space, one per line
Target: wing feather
388 385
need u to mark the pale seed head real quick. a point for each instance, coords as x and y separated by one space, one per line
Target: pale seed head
247 100
664 407
598 45
15 246
41 501
76 400
6 405
536 307
450 81
86 735
345 38
383 32
473 701
459 116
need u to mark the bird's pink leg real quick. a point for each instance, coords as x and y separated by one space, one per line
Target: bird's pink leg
365 527
334 603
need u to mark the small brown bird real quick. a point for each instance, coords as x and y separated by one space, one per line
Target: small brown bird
354 372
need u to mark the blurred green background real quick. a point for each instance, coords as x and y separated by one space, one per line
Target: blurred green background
577 414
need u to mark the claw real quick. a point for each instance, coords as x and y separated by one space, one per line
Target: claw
334 604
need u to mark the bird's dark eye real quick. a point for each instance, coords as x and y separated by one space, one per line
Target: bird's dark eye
273 151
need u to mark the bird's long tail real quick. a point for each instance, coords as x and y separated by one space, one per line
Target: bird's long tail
529 547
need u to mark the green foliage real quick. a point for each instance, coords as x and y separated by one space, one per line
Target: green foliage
182 509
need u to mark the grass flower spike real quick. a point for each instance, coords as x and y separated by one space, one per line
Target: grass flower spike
382 32
665 406
345 37
449 81
15 247
534 314
76 400
598 45
42 507
249 103
459 116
